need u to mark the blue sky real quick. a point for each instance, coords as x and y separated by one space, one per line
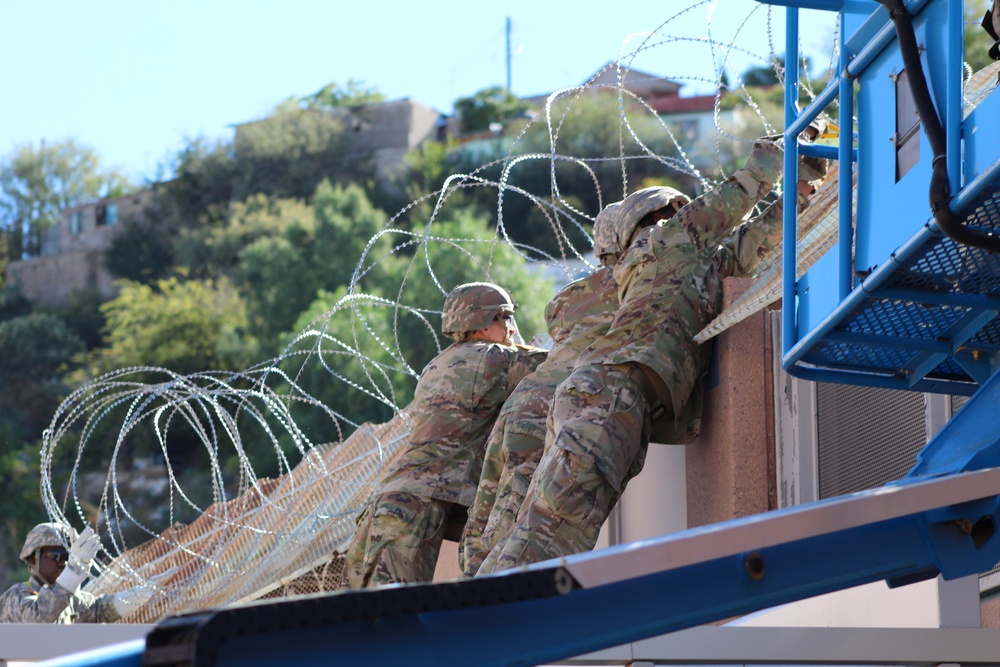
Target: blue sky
136 80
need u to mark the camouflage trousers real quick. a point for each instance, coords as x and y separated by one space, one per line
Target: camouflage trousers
397 540
596 440
512 452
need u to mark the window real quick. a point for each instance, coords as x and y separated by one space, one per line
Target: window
689 130
107 214
76 222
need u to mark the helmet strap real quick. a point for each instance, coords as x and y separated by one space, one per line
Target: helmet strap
34 566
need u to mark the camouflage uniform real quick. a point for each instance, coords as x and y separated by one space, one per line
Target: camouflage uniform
576 315
670 287
434 481
35 602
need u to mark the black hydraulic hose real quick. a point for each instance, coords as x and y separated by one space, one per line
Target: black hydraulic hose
940 194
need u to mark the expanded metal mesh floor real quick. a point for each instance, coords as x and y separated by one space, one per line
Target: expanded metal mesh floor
934 318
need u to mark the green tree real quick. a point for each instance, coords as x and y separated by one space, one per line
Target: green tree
35 351
288 153
22 507
490 105
37 183
281 252
13 303
35 346
83 315
142 250
332 96
204 178
185 327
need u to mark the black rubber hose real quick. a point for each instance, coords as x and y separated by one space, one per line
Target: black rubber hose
940 194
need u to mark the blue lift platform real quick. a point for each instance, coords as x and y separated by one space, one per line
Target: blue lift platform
907 299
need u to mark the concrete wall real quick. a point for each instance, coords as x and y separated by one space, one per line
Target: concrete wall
50 280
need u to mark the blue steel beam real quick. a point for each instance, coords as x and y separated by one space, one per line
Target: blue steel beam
968 440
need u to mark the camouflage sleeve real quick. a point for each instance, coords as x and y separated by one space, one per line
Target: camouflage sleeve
743 250
486 495
525 360
90 609
23 604
711 217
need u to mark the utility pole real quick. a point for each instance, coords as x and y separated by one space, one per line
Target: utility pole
508 55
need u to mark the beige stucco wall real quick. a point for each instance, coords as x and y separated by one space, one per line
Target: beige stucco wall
50 280
730 471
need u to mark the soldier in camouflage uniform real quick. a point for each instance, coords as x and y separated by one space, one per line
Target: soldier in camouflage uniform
577 315
52 593
643 377
425 495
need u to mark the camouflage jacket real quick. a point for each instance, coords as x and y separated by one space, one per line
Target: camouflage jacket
34 602
457 399
670 284
576 315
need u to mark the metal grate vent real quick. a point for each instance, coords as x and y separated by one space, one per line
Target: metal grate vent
867 436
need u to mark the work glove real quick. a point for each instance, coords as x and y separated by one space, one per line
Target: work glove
130 600
81 557
812 170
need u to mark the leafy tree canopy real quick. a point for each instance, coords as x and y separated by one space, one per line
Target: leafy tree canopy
280 253
490 105
36 346
185 327
332 96
288 153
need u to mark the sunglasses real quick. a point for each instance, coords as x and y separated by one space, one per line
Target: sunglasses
60 556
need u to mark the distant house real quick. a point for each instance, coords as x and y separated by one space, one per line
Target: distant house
390 130
692 119
72 251
381 134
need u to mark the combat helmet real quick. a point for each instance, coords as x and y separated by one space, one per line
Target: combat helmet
630 213
46 535
604 233
474 306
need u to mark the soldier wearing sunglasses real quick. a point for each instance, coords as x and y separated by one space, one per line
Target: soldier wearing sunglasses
58 562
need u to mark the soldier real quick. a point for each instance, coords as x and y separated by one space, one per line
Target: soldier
425 495
577 315
52 593
643 377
